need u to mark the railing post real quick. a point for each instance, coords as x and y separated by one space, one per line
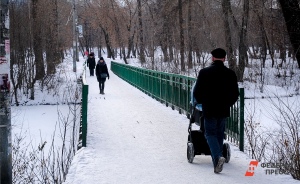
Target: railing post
160 86
84 109
242 97
180 85
173 92
85 89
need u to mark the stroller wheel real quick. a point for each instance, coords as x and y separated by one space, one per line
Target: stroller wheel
190 152
226 152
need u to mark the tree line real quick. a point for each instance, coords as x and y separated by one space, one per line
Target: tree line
183 30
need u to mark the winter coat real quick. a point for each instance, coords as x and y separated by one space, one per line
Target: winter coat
91 63
100 69
216 89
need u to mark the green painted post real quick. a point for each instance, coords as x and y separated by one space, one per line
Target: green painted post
160 88
179 101
242 97
85 89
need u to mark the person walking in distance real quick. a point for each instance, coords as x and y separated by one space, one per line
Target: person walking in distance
86 54
217 90
91 63
101 73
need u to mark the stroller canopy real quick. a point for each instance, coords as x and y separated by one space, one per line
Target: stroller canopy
193 101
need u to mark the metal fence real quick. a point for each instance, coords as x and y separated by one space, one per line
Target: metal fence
83 111
175 91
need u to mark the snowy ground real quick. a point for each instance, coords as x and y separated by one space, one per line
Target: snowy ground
132 138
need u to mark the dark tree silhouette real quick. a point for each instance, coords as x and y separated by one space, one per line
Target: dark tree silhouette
291 13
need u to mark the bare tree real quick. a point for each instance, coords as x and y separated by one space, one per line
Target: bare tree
243 56
257 137
141 32
37 40
285 112
130 26
291 13
180 18
190 41
226 7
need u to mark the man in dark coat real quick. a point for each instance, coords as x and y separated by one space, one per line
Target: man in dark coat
91 63
101 73
217 90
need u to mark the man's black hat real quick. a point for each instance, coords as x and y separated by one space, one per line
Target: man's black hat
218 53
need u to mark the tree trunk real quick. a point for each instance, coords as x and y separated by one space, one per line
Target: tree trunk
181 35
37 42
230 55
130 42
52 53
50 57
266 43
110 53
291 13
190 48
243 56
57 58
141 32
164 37
131 36
170 44
124 55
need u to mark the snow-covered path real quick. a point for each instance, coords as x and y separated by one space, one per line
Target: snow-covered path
134 139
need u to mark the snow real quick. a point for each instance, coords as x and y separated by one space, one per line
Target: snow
133 138
36 120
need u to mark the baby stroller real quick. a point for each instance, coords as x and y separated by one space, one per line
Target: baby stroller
197 144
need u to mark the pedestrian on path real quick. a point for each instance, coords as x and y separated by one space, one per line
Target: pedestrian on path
86 54
217 90
91 63
101 73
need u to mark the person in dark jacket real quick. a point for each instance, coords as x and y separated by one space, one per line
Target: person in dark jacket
217 90
101 73
91 63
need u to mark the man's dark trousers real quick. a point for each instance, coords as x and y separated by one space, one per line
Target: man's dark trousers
214 133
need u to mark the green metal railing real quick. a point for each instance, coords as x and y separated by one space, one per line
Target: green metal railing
175 91
83 111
